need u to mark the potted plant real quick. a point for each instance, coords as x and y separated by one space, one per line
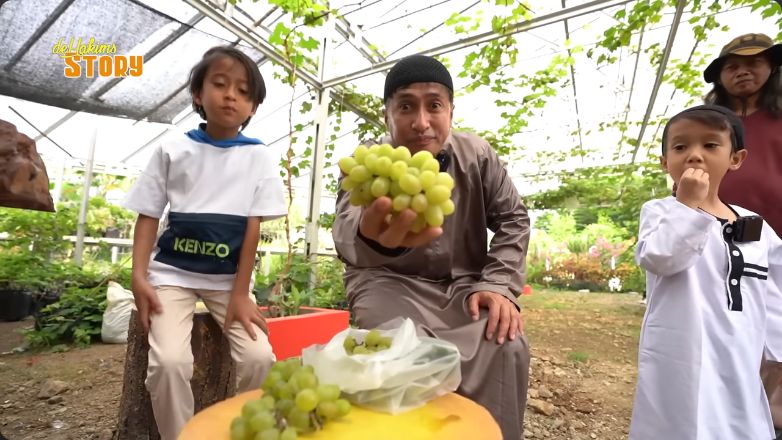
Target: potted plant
20 278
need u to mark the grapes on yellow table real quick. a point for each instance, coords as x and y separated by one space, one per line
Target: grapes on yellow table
411 181
293 403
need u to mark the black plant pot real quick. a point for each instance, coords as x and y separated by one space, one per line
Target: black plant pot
15 305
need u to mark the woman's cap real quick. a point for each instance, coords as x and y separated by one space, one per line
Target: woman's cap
745 45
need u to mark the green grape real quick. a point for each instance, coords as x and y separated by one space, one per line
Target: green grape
371 161
447 207
419 159
395 189
356 198
434 216
372 338
359 174
343 406
412 170
383 167
262 420
419 224
286 392
299 419
437 194
419 204
427 179
268 434
267 402
410 184
305 379
445 179
398 169
431 165
272 378
250 408
360 153
346 164
306 400
385 150
349 344
275 390
360 349
401 202
327 392
327 410
240 431
347 184
308 368
284 405
385 342
289 434
380 186
374 149
400 154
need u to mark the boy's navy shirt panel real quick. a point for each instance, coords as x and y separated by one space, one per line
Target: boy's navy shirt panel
200 135
202 243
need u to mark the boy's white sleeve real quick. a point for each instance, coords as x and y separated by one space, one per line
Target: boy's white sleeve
672 236
148 196
774 297
269 196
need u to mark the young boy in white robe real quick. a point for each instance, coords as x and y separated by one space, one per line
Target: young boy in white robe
714 273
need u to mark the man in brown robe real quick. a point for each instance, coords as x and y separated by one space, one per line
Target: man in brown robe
446 279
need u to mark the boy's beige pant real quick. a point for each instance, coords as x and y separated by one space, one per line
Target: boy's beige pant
171 357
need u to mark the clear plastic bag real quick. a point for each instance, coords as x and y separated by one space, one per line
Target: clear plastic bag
413 371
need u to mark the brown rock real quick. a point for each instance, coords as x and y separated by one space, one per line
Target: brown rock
23 179
541 406
52 388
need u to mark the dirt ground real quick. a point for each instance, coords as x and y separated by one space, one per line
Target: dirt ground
584 350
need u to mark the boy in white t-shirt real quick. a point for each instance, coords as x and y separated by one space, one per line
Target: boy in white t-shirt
714 273
219 185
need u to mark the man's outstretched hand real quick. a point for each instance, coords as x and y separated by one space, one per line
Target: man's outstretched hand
396 234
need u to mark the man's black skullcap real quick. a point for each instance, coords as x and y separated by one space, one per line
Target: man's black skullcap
415 69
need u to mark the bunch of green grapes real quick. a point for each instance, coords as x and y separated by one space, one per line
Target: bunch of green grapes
293 403
373 342
413 182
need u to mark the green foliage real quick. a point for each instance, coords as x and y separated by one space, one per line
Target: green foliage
616 192
33 273
36 232
563 255
328 290
75 318
578 356
74 297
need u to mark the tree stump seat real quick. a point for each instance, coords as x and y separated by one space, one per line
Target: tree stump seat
214 376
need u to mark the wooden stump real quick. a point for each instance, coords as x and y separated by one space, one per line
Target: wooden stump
214 376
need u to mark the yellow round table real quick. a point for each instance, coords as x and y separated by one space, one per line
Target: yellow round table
450 417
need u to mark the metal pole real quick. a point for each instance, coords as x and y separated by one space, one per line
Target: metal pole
248 35
543 20
660 72
81 226
319 156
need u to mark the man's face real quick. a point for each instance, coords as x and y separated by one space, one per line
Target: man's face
419 116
